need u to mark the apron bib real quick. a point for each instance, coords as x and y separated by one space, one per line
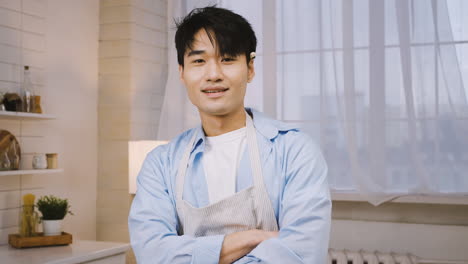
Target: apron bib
250 208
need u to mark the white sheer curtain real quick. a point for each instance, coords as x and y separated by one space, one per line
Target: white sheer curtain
379 83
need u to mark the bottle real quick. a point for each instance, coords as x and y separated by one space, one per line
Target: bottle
37 104
28 91
15 157
5 163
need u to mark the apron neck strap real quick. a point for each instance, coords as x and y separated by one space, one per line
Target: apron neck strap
254 155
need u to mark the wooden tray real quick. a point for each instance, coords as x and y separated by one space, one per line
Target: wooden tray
39 241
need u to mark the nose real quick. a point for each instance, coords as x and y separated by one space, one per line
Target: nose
214 72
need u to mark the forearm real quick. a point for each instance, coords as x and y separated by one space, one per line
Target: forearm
239 244
297 244
272 251
179 249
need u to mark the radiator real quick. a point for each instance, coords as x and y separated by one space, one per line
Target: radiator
364 257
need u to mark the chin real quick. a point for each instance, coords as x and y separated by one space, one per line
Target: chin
218 109
215 110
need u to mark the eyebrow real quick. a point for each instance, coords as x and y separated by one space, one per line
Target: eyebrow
195 52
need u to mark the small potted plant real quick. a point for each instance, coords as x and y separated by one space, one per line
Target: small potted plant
53 210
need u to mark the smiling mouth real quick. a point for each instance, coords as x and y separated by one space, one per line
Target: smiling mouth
211 91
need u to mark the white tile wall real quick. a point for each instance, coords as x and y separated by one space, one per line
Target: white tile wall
9 217
109 3
33 41
117 83
149 36
9 183
148 52
158 7
132 59
143 131
22 42
149 19
117 31
145 116
114 48
149 77
35 7
10 18
9 72
11 4
10 54
4 234
110 98
7 86
115 14
115 66
10 36
9 199
34 24
111 114
35 59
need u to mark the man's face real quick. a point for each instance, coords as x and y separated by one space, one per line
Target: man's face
215 84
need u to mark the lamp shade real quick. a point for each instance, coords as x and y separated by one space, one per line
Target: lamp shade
137 151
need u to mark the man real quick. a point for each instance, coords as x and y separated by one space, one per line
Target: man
239 188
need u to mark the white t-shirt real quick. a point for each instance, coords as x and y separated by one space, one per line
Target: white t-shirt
221 160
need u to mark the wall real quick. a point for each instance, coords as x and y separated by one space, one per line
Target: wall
132 76
429 230
59 40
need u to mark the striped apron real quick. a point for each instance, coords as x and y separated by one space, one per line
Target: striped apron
250 208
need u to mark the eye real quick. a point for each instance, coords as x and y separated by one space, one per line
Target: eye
198 61
228 59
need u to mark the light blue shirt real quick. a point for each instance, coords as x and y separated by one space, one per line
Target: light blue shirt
295 176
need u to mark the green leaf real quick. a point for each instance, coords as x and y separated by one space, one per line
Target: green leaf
52 207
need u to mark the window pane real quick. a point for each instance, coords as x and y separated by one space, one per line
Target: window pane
424 81
300 85
462 55
457 12
361 23
421 21
391 27
298 25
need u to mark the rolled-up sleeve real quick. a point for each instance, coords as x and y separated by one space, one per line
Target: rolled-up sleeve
304 213
153 222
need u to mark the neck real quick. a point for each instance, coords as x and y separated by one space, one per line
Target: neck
215 125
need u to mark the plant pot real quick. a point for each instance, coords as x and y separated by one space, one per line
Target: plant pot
52 227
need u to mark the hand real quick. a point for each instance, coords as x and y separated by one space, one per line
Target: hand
239 244
259 236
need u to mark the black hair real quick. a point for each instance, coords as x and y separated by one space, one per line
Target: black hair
233 33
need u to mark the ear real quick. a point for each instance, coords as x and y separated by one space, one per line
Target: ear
251 70
181 73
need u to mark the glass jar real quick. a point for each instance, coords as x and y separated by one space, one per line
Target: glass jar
39 161
29 219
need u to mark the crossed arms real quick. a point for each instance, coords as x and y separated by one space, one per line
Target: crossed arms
303 218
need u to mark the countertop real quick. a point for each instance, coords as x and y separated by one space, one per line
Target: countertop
77 252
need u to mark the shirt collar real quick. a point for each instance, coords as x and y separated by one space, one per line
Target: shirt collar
265 125
268 127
